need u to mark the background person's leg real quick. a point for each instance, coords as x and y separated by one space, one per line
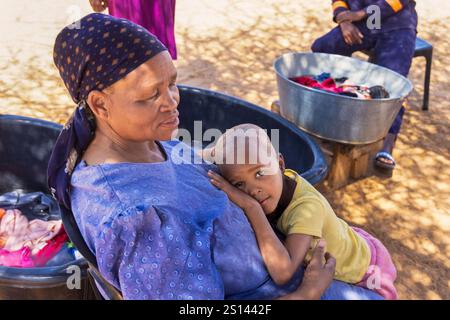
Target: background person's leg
333 42
395 51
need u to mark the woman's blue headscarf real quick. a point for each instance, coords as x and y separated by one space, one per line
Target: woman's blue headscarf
91 54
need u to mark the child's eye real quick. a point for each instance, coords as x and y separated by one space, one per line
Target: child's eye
260 173
238 184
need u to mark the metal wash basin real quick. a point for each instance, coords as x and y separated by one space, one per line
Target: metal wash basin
331 116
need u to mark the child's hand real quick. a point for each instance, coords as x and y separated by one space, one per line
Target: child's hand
239 197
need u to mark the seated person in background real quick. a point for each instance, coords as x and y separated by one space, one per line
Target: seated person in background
393 45
275 197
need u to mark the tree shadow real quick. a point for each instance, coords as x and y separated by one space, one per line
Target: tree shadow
39 91
408 211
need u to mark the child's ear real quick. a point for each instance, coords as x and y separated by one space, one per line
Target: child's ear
281 162
208 154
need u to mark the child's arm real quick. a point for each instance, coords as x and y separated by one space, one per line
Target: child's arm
281 261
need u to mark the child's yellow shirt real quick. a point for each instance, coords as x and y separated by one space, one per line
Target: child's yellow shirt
310 213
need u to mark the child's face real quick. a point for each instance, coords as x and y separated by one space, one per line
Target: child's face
257 180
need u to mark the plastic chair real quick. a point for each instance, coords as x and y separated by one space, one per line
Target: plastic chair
422 49
425 49
220 111
102 288
216 110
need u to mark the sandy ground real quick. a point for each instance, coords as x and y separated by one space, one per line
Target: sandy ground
229 46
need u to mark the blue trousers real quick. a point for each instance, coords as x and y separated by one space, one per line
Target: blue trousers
393 50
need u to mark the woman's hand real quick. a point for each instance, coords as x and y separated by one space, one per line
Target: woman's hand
99 5
318 275
239 197
351 33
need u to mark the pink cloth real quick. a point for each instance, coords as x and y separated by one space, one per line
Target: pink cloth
327 85
382 273
52 247
19 258
157 16
26 243
330 85
18 232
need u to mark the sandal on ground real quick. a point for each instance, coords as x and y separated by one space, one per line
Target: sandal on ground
383 164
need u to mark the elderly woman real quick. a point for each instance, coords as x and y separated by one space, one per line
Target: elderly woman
158 228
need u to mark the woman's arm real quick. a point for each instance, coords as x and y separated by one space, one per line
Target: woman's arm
281 261
317 278
138 258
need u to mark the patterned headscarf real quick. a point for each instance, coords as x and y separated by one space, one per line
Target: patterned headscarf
91 54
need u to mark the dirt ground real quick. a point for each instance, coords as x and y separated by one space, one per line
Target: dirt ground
229 46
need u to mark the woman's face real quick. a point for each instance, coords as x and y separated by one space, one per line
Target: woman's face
143 105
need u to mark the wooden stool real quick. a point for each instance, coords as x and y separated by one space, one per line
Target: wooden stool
346 162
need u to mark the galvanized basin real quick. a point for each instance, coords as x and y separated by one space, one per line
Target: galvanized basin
333 117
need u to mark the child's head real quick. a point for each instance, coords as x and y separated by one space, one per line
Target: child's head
247 159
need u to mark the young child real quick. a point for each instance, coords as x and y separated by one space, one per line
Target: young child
254 177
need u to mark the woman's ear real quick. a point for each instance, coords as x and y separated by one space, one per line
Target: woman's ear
281 162
99 103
